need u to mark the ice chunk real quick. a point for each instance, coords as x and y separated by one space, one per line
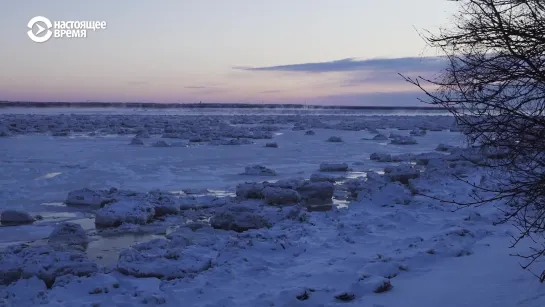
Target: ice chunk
381 157
280 196
316 192
161 259
136 141
258 170
335 139
164 203
4 132
232 142
250 190
87 197
67 234
271 145
287 183
445 147
334 167
203 202
418 132
380 137
142 134
14 217
44 262
403 140
319 177
238 218
401 173
132 211
160 143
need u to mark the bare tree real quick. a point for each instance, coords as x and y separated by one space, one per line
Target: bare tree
494 85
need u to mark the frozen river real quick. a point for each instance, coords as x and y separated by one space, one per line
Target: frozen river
379 232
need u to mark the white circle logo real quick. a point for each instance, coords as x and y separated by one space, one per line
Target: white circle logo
42 25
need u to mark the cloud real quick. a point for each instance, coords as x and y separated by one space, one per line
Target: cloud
195 87
352 72
351 65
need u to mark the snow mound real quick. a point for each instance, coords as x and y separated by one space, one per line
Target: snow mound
258 170
334 167
68 234
14 217
44 262
132 211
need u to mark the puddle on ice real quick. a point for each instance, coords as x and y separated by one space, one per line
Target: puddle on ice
105 250
353 175
340 203
222 193
56 204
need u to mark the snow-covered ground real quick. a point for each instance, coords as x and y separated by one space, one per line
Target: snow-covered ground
200 211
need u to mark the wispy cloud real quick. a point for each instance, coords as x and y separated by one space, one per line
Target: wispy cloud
351 64
196 87
353 72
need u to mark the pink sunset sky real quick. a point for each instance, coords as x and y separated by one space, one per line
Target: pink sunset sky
240 51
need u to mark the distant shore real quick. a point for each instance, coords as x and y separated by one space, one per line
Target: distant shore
150 105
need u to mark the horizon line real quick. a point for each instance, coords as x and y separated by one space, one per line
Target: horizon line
76 104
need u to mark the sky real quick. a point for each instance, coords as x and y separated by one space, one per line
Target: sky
344 52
